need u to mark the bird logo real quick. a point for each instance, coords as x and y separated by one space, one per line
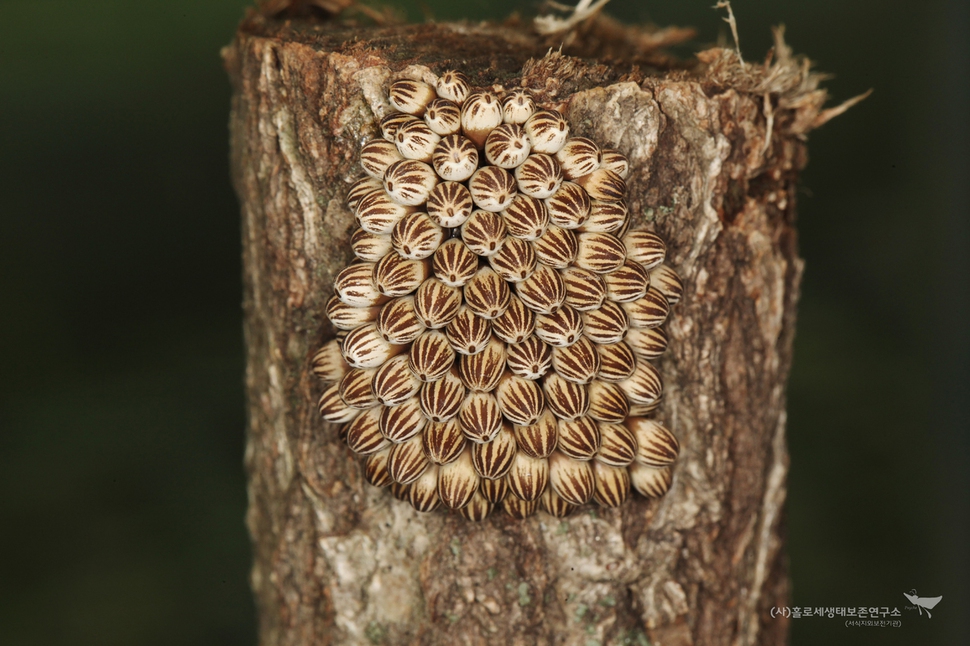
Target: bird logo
922 603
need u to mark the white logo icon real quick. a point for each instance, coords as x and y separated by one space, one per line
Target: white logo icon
922 603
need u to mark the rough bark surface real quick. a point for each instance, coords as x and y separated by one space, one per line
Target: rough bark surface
715 148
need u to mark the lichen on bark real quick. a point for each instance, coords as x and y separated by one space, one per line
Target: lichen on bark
715 149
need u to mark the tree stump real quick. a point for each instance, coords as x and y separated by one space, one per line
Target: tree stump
715 148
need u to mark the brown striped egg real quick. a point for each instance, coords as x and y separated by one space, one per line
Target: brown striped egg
370 247
618 446
493 459
543 292
333 409
651 482
364 433
480 417
441 400
519 509
400 491
615 161
389 125
403 421
647 343
605 217
347 317
484 233
526 217
566 399
585 290
416 236
623 230
361 189
579 438
520 399
443 441
455 158
398 322
518 106
395 275
644 386
366 348
627 283
617 361
528 476
560 328
608 324
415 141
539 176
410 96
604 185
454 86
495 489
492 188
578 157
515 260
569 207
377 155
483 370
547 130
657 447
645 410
507 146
468 333
375 468
612 484
667 283
486 294
377 213
443 117
557 247
480 114
436 303
572 480
607 403
454 263
423 493
578 363
553 505
530 358
646 248
431 356
647 312
458 481
538 439
357 390
516 323
394 383
375 464
409 182
477 509
328 363
600 253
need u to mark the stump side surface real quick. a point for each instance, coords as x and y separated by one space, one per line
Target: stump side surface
340 562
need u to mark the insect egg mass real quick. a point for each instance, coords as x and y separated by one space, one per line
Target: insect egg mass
498 323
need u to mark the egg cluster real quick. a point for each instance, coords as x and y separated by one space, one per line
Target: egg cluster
497 327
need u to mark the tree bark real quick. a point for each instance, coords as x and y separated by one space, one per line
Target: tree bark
715 147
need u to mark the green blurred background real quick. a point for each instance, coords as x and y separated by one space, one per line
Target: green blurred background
121 403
